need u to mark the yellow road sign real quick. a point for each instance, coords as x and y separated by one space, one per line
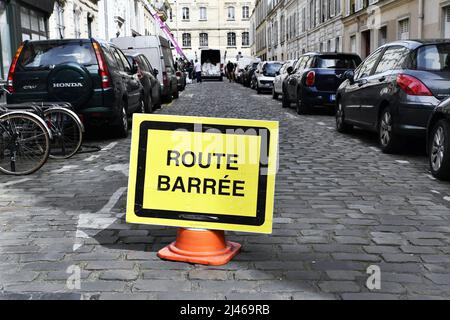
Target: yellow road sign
206 173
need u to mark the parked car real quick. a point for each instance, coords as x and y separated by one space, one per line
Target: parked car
181 79
265 74
315 78
438 141
395 90
241 65
93 75
158 52
279 79
248 74
149 80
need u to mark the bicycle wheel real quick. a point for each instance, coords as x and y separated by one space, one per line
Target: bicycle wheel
24 143
67 132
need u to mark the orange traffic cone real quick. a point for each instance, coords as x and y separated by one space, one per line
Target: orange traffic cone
201 247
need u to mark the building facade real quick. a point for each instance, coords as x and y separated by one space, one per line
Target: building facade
369 24
74 19
259 16
213 24
293 27
123 18
21 20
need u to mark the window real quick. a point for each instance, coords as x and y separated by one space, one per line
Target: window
38 55
333 62
59 12
245 12
203 13
245 39
433 57
366 68
186 40
34 26
76 23
185 12
125 61
353 44
403 29
383 36
447 22
231 39
5 44
392 57
203 39
230 13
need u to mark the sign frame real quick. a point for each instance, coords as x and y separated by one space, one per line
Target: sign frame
261 222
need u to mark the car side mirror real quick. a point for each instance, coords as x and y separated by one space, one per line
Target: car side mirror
156 72
350 76
290 70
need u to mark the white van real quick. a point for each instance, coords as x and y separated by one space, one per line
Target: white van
158 52
212 64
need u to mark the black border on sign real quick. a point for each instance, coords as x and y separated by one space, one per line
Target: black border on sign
257 220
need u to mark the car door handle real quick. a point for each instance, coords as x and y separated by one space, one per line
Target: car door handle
362 82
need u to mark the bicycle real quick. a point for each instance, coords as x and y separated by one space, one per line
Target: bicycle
64 124
66 128
24 142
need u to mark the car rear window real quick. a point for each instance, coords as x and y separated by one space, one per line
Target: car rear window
270 69
42 55
336 62
435 57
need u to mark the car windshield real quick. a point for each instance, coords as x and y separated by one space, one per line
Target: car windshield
434 57
46 54
270 69
336 62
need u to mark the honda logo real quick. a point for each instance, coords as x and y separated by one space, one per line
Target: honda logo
68 85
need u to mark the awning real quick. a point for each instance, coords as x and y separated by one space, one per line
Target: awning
44 5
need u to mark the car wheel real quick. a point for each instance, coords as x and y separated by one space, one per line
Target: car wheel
285 103
341 126
439 152
302 108
121 129
258 90
274 94
149 104
176 95
389 141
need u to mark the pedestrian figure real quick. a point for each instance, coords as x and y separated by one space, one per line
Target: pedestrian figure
198 71
230 70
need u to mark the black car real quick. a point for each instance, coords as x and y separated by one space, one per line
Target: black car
248 74
438 141
395 90
148 77
314 79
94 76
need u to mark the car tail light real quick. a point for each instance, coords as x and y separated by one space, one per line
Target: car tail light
412 86
178 73
165 78
310 78
12 70
102 67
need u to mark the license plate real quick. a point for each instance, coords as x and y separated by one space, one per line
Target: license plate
332 97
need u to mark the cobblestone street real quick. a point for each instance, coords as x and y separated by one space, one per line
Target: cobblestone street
341 205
